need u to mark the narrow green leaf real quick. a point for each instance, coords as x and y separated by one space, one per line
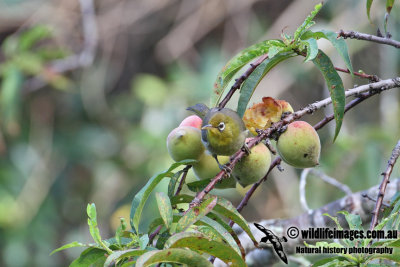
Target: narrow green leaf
341 47
93 228
196 213
174 255
141 197
90 257
335 87
225 208
172 183
307 22
165 208
395 256
121 254
223 232
236 63
72 245
10 94
332 262
312 49
369 3
250 84
199 242
335 220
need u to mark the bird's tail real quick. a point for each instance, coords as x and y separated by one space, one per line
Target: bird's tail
199 109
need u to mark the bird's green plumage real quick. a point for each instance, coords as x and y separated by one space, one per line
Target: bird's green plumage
226 141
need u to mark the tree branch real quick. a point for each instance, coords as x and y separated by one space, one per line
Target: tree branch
241 79
382 187
377 86
368 37
372 78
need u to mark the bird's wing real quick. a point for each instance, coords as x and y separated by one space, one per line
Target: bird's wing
200 110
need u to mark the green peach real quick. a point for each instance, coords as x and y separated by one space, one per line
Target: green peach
252 168
207 168
299 146
184 142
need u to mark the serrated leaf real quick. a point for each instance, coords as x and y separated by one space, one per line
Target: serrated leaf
174 255
196 213
121 254
335 87
141 197
199 242
165 208
236 63
312 49
255 78
74 244
90 257
369 3
307 22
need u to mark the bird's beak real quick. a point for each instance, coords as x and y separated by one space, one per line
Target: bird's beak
207 126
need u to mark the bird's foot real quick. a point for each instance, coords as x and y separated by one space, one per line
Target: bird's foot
226 169
246 149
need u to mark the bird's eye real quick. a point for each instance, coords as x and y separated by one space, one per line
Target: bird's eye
221 126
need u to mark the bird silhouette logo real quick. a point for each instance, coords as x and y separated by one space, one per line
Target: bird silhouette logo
274 240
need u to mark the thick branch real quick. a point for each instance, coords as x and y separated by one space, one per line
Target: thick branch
241 79
368 37
354 203
382 187
378 87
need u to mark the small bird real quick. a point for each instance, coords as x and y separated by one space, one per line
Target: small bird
275 241
223 132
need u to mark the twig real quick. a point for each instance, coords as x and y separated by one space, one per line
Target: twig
372 78
382 187
374 200
85 57
182 181
302 189
378 86
325 178
368 37
241 79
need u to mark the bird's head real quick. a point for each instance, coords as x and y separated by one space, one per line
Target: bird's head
222 125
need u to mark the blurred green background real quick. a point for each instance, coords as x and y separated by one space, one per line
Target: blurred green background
91 89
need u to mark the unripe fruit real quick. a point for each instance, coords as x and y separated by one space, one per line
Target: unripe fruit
194 121
252 168
207 168
184 142
299 145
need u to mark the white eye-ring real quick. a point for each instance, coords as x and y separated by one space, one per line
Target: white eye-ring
221 126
